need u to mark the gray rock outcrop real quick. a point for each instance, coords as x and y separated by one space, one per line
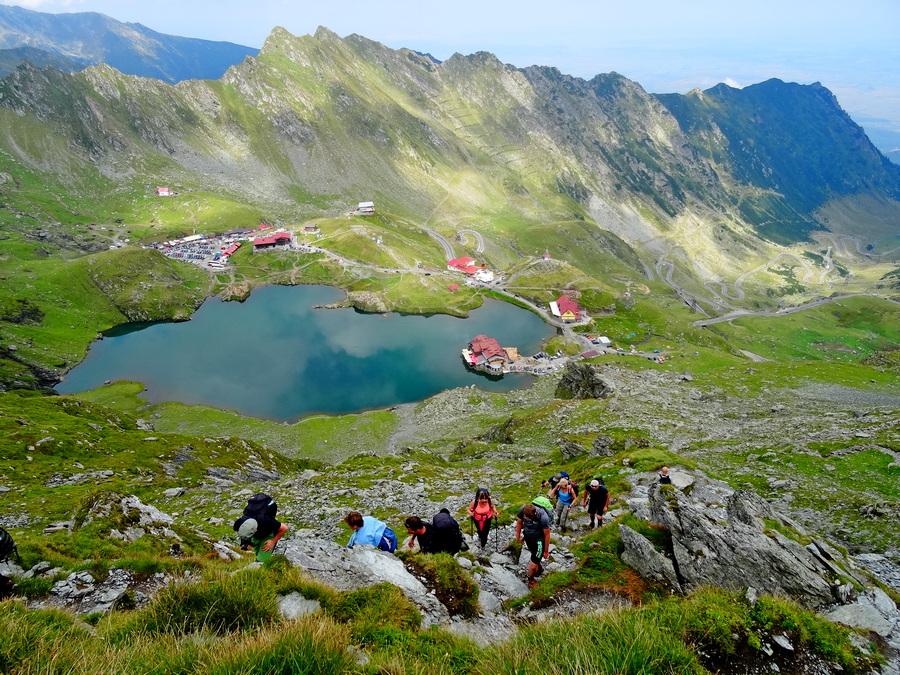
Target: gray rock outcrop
583 380
732 548
641 555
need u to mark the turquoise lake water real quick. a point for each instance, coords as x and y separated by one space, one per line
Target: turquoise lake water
276 357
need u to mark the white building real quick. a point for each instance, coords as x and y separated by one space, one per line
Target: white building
484 275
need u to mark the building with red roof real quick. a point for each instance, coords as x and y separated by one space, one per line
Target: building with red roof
565 308
277 239
466 265
485 353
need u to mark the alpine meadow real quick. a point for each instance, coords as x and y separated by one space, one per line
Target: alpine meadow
722 269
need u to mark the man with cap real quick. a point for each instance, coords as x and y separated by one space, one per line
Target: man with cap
596 498
554 479
263 532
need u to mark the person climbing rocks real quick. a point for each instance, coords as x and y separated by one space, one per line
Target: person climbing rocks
533 531
566 496
483 512
371 531
258 529
596 499
442 535
664 477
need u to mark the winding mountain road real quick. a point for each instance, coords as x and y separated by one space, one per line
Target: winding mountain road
789 310
478 238
448 248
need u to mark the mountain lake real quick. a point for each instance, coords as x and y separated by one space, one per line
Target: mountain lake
276 357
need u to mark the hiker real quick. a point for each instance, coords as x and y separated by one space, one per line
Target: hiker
554 479
258 529
483 512
566 496
664 477
533 530
442 535
371 531
596 499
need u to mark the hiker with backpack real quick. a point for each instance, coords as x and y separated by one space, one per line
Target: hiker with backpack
533 531
554 479
371 531
664 477
566 497
441 535
596 499
258 529
8 548
483 512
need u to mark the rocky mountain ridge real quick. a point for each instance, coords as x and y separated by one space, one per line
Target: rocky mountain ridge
88 38
341 118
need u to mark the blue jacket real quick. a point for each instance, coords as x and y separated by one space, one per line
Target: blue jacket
370 533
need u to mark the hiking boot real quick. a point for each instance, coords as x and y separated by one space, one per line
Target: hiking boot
532 582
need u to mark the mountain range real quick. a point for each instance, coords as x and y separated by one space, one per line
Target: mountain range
74 41
313 124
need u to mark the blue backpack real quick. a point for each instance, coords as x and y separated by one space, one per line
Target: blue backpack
388 541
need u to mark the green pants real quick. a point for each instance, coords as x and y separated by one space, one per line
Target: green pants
261 556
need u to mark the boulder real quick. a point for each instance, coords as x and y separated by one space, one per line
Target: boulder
640 555
861 616
603 446
294 605
738 553
570 449
583 380
351 569
503 583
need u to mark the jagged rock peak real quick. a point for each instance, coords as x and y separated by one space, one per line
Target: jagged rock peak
324 34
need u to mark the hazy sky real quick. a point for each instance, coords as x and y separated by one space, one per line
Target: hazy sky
665 45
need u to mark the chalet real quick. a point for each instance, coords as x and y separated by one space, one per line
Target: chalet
365 209
485 353
453 288
164 192
466 265
310 228
273 240
566 309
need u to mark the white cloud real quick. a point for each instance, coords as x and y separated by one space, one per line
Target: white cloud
733 83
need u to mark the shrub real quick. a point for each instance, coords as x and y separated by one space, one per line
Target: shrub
220 603
452 585
633 641
308 646
35 587
711 618
382 606
45 639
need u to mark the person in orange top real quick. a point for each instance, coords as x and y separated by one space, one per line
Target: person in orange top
483 512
